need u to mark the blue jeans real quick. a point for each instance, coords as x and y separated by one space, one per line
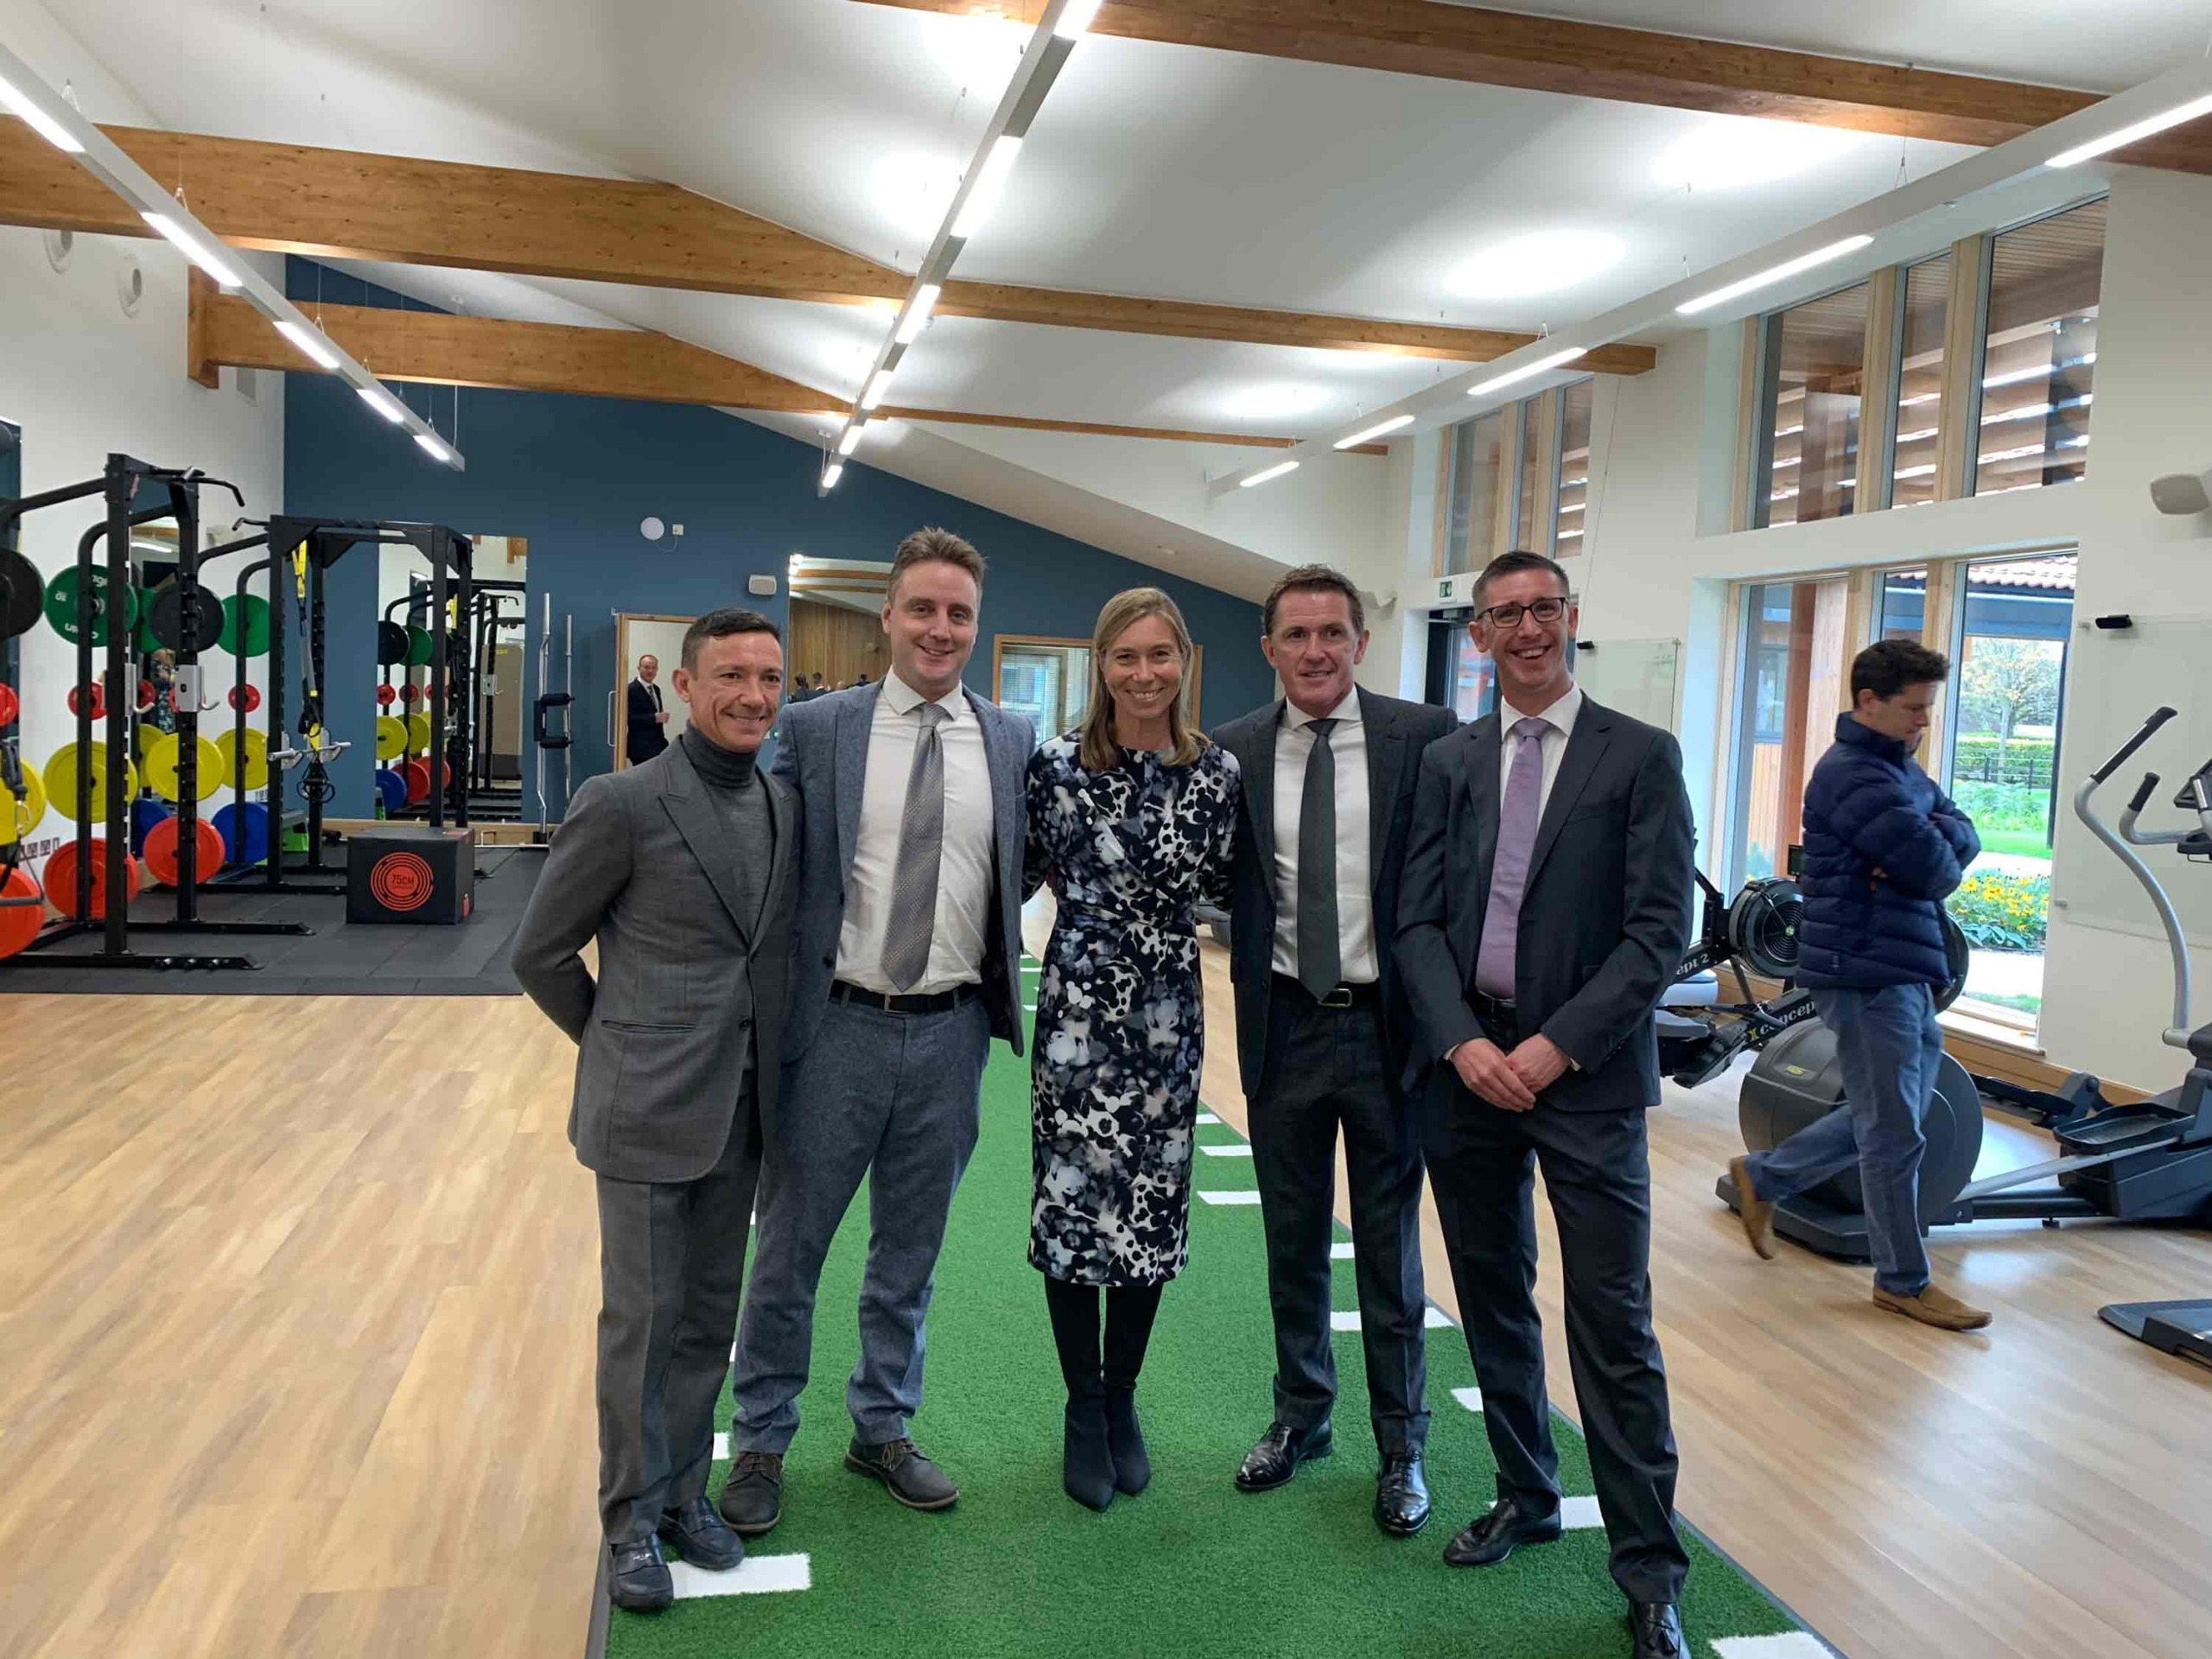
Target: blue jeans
1889 1046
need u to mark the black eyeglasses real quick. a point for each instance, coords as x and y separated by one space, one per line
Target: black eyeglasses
1509 616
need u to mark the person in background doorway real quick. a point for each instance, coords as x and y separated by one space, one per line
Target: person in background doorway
1329 772
1545 910
646 714
1884 847
681 870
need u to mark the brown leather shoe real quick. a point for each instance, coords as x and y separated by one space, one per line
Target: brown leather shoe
1757 1215
1934 1306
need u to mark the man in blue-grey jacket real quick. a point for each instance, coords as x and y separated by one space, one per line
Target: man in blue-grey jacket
1884 847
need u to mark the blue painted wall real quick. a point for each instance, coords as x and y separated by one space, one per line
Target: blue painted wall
575 475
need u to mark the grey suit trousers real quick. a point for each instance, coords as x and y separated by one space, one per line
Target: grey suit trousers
671 1266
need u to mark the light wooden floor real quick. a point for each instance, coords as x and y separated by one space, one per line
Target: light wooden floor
296 1309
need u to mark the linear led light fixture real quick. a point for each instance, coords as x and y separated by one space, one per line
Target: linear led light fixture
1058 30
1783 272
1267 473
2132 133
1528 370
54 120
1368 434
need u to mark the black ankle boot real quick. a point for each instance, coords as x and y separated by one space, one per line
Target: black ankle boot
1125 1439
1087 1463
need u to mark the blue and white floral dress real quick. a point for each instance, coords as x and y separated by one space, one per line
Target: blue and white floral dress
1121 1015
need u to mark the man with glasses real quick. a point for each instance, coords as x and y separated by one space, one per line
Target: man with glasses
1546 906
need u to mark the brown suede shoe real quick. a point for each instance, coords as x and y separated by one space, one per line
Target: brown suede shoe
1757 1215
1932 1306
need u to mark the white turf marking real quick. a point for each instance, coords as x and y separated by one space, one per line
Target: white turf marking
1252 1197
1026 1007
1341 1250
1796 1644
1576 1514
1433 1318
1208 1117
1227 1152
756 1575
1470 1398
721 1448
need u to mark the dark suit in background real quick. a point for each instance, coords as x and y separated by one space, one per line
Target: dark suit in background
646 736
676 1070
1604 919
1308 1069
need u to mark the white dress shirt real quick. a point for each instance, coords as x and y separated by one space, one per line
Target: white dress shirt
964 884
1560 717
1355 888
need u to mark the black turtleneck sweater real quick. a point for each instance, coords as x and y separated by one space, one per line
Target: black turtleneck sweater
741 802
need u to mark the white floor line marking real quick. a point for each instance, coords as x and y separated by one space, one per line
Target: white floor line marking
1433 1318
756 1575
721 1448
1794 1645
1577 1514
1253 1197
1208 1117
1341 1250
1233 1151
1470 1398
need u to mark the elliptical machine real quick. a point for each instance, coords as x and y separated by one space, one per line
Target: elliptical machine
2147 1161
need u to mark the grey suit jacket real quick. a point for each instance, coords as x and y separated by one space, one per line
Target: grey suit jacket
1397 732
687 986
1604 919
822 753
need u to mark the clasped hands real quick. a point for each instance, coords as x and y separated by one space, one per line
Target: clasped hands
1509 1082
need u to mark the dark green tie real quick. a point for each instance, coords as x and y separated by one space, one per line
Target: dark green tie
1319 967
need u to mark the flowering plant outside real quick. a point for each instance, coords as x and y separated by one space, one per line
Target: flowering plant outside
2003 913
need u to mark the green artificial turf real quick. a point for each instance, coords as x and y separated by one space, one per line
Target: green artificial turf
1190 1567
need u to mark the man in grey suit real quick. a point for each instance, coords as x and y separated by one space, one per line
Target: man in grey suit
1547 905
1329 772
905 962
680 867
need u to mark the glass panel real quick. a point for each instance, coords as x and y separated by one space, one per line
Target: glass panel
1527 533
1574 466
2008 677
1919 383
1817 370
1791 678
1904 605
1051 683
1470 686
1472 534
2039 360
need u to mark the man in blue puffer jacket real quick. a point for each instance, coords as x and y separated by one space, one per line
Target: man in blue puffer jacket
1884 847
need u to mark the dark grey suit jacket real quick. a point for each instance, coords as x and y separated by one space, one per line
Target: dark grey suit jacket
1604 922
1397 732
687 986
822 754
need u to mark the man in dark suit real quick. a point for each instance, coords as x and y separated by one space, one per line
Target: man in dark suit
1329 772
1545 908
644 715
905 962
681 870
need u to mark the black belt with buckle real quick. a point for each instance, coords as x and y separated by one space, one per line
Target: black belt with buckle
844 990
1498 1012
1365 995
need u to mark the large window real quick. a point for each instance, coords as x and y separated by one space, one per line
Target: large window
2040 354
1575 402
1814 375
1048 680
1532 506
1478 454
1926 315
1791 677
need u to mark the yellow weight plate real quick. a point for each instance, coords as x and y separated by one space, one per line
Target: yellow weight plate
164 757
60 777
31 808
256 757
419 733
391 737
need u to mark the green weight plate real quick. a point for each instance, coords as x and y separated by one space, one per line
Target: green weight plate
62 604
418 647
256 612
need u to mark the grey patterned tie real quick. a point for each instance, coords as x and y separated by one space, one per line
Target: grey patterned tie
921 843
1318 966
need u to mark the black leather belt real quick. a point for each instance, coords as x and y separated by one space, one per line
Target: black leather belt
1497 1014
936 1003
1339 996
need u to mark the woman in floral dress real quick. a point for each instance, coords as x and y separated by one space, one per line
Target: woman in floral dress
1130 819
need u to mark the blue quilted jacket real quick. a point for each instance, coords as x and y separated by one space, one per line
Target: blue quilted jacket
1884 847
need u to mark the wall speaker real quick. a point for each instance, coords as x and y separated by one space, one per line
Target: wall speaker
761 585
2182 493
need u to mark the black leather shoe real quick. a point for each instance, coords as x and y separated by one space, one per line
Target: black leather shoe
1086 1461
1125 1439
906 1473
753 1495
1280 1452
700 1536
1658 1632
638 1580
1487 1542
1401 1496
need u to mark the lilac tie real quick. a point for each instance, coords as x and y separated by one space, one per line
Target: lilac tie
1508 877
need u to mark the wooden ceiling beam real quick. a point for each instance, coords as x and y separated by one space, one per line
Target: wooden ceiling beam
1631 66
352 205
438 349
